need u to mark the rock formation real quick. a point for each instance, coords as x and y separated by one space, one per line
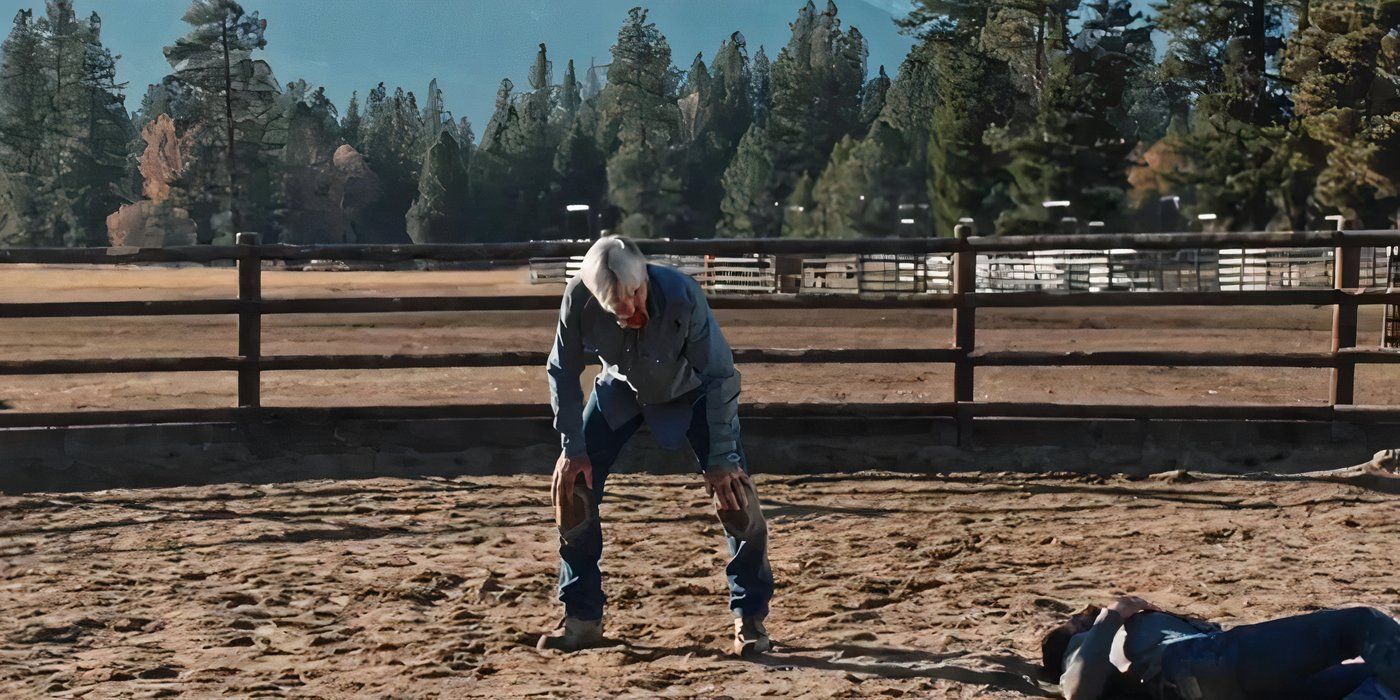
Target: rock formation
156 221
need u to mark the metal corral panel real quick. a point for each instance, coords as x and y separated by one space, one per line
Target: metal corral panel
752 274
1390 332
1118 269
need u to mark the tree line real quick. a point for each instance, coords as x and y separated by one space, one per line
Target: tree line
1015 115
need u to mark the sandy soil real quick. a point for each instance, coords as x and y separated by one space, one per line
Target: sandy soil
889 585
1242 329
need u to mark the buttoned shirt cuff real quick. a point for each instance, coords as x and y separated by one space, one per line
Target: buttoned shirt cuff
724 454
573 446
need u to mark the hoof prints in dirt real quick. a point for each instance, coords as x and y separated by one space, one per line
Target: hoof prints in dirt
887 585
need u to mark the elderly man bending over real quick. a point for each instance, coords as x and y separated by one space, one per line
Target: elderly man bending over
666 364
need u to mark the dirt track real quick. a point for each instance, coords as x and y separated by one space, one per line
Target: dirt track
888 586
1240 329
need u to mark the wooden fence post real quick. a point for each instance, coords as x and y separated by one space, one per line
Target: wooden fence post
964 329
249 321
1346 274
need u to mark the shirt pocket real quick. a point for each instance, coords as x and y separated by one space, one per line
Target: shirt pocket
599 343
663 348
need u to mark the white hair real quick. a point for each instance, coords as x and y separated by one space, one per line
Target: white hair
612 267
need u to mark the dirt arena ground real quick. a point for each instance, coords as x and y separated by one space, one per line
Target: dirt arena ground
889 586
1239 329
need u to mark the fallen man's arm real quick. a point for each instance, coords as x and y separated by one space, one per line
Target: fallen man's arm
1087 666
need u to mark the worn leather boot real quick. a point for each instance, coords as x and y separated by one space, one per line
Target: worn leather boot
573 634
750 637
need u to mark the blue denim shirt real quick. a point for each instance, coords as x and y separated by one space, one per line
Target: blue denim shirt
652 370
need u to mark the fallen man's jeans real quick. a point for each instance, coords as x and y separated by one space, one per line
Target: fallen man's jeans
1291 658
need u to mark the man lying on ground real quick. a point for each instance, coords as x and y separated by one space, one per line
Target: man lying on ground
1134 648
666 364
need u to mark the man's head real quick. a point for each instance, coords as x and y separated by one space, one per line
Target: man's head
615 271
1055 644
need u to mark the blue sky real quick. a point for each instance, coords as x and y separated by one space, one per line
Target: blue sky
468 45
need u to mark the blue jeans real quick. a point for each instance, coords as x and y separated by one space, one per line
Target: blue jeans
581 581
1295 657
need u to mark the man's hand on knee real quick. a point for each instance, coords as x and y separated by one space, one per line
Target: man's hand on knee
727 485
566 472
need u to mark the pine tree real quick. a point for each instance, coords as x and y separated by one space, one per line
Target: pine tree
1235 136
716 111
592 84
440 213
350 125
462 132
23 109
800 212
434 114
542 114
99 131
392 132
640 101
66 42
580 166
816 99
1347 95
748 205
817 83
63 129
874 185
16 209
762 86
313 126
1077 148
976 96
732 86
956 77
313 206
697 79
513 171
237 98
570 94
873 98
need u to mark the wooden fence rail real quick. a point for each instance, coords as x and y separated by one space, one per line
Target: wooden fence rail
963 300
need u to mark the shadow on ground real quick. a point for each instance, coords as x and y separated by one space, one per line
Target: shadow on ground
1001 672
1009 673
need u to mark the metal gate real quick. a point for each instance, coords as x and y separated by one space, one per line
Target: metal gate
1390 332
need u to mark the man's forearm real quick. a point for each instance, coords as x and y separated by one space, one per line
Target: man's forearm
1088 668
566 399
709 354
564 367
722 417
